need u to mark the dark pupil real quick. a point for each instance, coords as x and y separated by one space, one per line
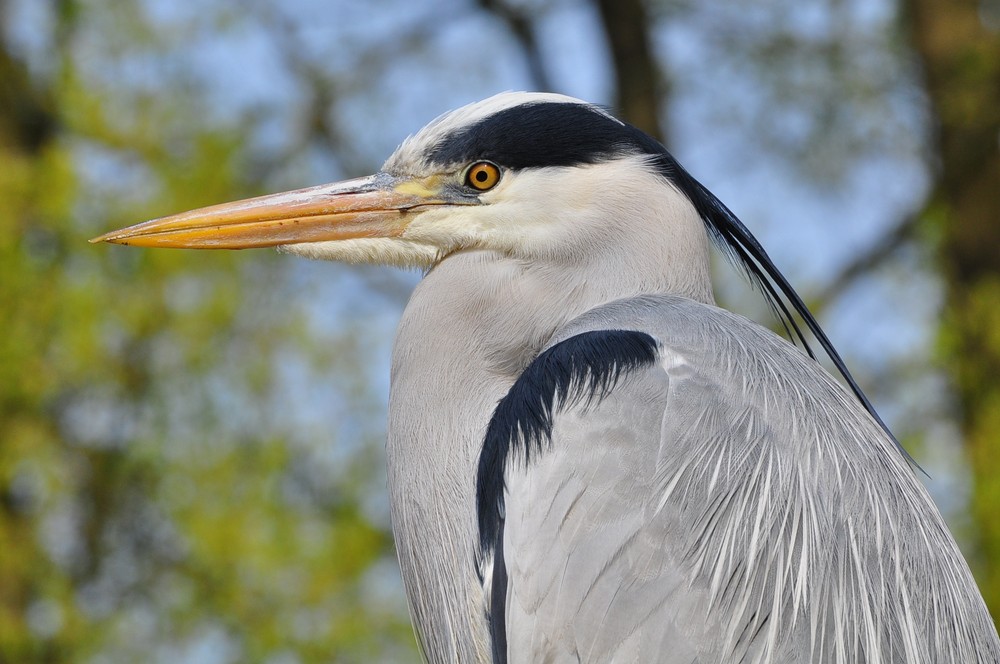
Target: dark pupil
481 176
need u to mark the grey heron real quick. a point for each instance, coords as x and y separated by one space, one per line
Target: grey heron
587 459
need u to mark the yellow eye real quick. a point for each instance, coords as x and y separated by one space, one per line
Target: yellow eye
483 176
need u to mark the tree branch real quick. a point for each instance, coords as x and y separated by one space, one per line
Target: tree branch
876 254
522 26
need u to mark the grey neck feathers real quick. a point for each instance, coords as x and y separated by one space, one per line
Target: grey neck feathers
472 325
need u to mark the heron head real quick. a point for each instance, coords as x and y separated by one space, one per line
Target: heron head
521 173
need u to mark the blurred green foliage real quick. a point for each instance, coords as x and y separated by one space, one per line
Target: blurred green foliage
153 500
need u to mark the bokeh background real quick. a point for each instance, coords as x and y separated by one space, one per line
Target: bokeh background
191 442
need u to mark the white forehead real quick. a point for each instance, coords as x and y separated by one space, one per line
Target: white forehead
411 156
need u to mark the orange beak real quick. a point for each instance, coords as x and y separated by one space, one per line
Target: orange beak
370 207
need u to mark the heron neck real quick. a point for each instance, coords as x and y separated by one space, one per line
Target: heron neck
470 328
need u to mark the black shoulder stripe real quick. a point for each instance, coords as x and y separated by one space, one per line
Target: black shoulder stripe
498 602
585 366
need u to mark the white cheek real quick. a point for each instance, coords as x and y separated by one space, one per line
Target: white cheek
543 214
524 215
451 228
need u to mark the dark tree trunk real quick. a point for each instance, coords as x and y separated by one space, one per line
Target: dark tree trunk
639 91
960 57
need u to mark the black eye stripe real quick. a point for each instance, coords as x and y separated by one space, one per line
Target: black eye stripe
543 134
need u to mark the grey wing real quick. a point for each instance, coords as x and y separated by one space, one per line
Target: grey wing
727 502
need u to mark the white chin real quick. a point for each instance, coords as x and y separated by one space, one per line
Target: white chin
372 251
